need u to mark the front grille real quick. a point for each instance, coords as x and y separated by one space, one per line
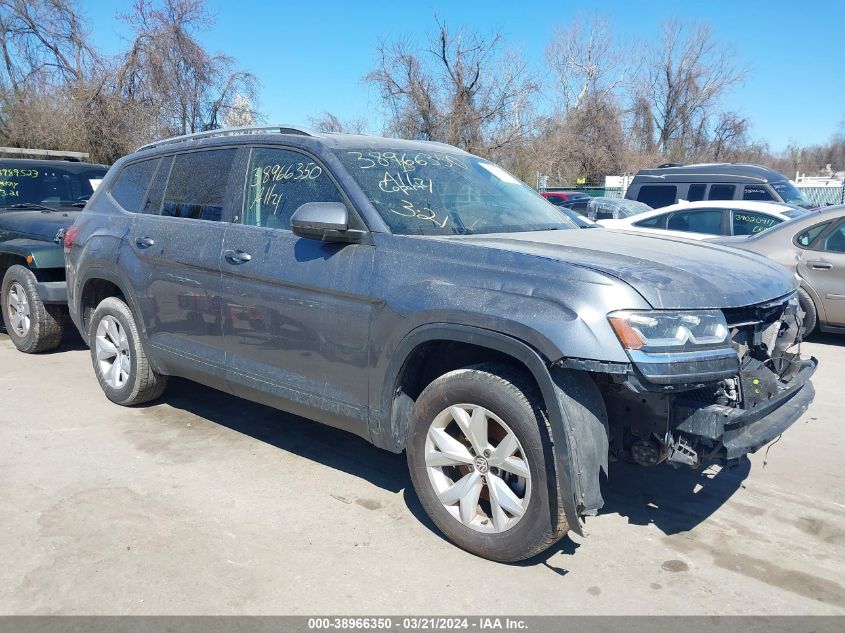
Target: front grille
761 313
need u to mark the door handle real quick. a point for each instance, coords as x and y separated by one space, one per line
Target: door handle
144 242
820 265
236 257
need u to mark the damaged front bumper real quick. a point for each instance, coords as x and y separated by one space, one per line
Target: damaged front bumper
728 433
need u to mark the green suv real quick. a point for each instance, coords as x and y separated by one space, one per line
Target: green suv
39 200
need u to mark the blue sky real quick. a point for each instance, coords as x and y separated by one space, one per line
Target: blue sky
310 57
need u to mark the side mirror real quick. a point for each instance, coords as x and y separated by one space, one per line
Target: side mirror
326 221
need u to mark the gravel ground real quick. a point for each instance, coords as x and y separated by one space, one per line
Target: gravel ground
202 503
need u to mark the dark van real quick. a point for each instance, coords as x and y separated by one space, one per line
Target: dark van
663 186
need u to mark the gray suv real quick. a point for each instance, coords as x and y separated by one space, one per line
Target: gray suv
427 300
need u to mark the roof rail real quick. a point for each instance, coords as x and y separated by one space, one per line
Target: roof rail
231 131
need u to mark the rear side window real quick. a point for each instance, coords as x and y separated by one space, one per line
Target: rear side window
809 236
657 196
756 192
721 192
696 192
707 221
131 184
749 223
279 182
197 185
657 222
835 242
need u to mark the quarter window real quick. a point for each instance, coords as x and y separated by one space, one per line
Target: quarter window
749 223
721 192
809 236
131 185
657 196
279 182
756 192
707 221
197 185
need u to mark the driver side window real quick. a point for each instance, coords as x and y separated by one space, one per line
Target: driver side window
279 181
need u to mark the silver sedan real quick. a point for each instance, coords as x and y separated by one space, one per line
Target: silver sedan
814 247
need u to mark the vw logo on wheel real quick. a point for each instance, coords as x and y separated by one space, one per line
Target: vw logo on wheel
481 465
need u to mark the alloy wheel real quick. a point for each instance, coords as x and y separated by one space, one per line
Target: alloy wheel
113 355
477 468
19 310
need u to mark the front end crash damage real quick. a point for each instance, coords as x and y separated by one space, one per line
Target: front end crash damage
695 411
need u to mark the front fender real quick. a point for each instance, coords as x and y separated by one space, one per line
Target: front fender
38 255
390 434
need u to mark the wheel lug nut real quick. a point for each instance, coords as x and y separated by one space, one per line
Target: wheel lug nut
487 453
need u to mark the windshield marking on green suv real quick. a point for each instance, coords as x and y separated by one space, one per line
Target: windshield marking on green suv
20 173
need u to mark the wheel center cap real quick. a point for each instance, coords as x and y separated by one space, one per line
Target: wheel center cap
481 464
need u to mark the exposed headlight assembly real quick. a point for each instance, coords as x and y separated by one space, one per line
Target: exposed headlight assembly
670 331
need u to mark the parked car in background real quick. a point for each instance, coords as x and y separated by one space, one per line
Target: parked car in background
604 208
39 200
582 221
703 220
427 300
814 247
665 186
575 200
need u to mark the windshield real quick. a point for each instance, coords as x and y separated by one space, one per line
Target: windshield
797 212
46 185
790 194
435 193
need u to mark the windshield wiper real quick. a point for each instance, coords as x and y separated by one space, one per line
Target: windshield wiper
30 205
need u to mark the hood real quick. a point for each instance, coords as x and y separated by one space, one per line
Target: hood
668 272
34 224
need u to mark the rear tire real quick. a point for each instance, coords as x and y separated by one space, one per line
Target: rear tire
811 315
505 524
119 360
32 325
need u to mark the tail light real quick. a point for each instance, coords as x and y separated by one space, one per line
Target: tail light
70 237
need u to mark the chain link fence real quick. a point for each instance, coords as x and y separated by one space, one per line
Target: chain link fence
823 196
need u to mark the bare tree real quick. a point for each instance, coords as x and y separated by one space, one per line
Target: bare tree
45 58
169 73
586 63
240 113
688 76
463 89
328 122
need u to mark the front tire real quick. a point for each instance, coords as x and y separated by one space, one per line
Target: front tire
119 360
32 325
480 457
811 315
